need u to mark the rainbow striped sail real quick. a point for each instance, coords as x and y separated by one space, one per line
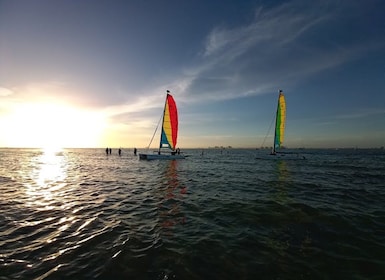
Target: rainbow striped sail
280 122
170 124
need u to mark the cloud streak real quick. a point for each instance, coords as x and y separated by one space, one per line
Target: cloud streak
274 50
5 92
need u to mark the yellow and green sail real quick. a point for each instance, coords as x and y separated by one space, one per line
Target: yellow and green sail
280 122
170 124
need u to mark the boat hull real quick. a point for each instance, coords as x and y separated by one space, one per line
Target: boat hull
160 156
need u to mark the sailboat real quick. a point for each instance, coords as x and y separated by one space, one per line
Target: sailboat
280 120
169 134
279 131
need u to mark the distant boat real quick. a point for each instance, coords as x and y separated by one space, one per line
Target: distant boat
169 134
279 131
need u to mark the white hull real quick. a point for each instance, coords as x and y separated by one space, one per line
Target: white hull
160 156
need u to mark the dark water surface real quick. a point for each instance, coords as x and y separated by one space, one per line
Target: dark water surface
79 214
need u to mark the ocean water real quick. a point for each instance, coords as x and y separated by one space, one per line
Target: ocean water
79 214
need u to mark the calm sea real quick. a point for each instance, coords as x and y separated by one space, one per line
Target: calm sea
79 214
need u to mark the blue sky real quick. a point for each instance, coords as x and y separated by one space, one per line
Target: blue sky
90 73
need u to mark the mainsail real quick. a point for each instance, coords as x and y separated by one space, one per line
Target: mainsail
280 122
170 124
168 135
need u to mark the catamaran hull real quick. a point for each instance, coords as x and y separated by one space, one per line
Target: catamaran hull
161 156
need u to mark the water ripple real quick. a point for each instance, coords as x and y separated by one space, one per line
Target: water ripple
79 214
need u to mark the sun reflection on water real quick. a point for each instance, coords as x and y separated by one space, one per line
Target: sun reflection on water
47 177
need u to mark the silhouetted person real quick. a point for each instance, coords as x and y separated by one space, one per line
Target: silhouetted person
107 151
120 152
135 151
110 150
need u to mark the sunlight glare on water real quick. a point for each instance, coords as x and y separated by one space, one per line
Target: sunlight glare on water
48 177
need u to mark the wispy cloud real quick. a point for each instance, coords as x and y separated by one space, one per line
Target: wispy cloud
362 113
276 27
5 92
38 91
280 47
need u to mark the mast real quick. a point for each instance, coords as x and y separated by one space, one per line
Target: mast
276 123
164 112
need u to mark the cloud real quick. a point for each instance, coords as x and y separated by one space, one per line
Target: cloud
57 91
361 114
5 92
277 26
358 116
40 91
280 47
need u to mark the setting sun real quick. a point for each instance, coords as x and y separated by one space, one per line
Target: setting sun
51 125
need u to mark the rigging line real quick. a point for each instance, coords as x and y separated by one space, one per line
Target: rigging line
148 147
268 132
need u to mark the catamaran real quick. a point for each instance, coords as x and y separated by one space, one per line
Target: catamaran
280 120
279 132
169 134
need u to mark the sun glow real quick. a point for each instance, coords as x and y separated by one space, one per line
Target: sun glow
51 126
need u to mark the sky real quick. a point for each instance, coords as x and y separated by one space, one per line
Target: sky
89 73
